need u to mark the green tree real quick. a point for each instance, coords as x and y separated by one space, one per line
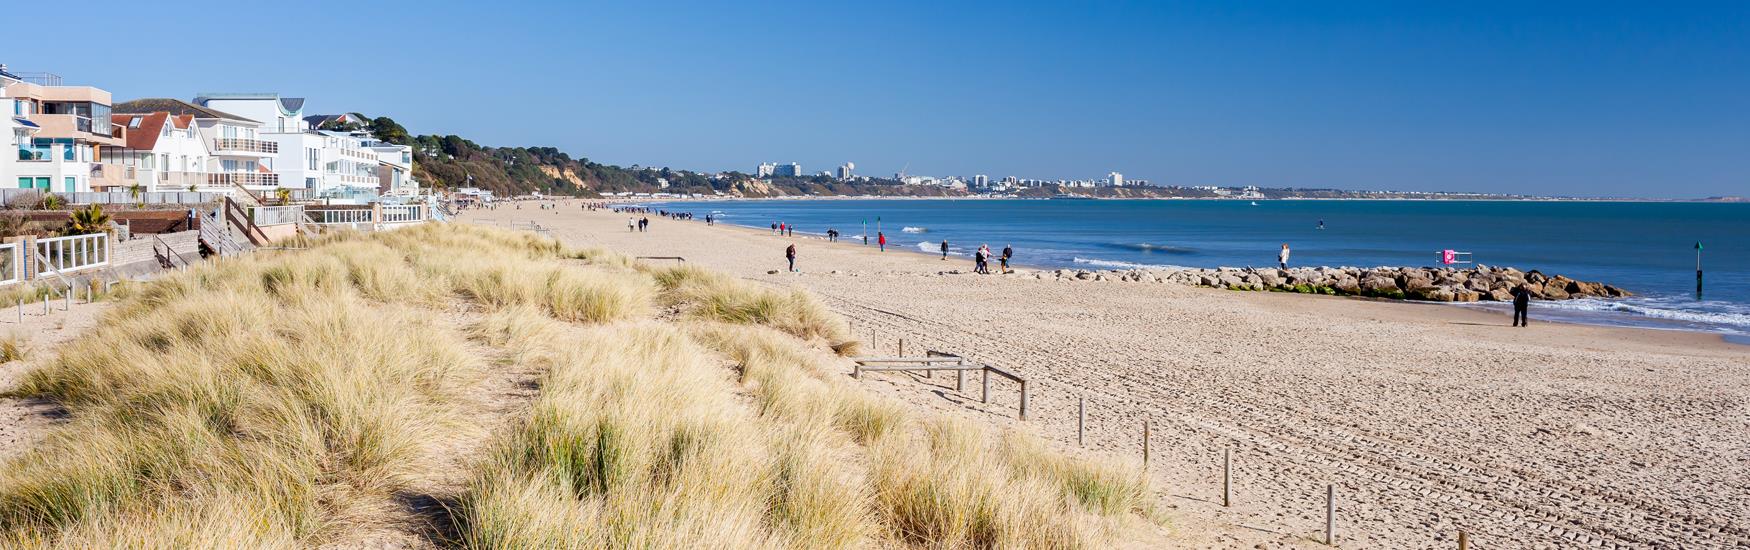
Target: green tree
386 129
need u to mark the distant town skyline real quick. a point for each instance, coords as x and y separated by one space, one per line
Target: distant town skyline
1550 98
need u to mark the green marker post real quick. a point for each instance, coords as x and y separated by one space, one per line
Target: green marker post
1698 270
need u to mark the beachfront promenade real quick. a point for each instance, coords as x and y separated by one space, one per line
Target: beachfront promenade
1427 419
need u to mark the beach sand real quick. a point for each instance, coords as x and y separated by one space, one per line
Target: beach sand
1428 419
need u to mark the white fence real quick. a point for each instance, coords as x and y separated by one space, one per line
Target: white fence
401 213
11 263
7 196
276 215
342 216
72 253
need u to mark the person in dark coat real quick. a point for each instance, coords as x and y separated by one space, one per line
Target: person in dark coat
1521 303
790 254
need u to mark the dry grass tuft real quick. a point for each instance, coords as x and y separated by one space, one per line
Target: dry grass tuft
713 296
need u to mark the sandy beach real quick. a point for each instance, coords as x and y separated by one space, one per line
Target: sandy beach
1427 419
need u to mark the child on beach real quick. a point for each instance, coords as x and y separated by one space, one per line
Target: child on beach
1007 252
631 224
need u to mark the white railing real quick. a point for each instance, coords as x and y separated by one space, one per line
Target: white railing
246 145
276 215
11 263
68 254
342 216
401 213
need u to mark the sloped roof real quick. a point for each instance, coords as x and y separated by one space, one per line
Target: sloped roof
175 107
145 136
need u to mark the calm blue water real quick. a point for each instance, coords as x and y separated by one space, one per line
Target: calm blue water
1647 248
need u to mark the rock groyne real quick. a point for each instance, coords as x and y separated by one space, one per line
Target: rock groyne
1437 284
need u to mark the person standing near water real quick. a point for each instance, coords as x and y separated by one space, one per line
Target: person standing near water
1521 306
1008 251
790 254
881 240
1282 257
944 249
631 224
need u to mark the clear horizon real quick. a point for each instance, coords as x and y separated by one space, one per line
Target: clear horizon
1559 98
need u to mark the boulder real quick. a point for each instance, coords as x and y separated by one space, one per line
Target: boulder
1554 292
1347 285
1500 295
1583 288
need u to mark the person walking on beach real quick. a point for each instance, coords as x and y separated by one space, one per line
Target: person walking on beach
1008 251
631 224
981 260
944 249
774 228
881 240
790 254
1521 303
1282 257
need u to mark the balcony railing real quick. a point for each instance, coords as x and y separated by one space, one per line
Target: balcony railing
244 178
245 145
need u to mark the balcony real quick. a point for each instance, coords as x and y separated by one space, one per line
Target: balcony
225 145
243 178
74 126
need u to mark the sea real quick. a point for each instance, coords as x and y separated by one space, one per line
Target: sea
1648 248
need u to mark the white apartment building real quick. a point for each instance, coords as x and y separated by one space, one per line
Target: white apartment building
57 132
231 150
394 167
1115 179
276 114
332 165
160 152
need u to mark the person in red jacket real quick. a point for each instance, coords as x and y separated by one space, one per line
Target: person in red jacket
881 238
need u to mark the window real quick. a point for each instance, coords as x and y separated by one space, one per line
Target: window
72 184
230 131
24 183
42 183
134 122
313 159
164 160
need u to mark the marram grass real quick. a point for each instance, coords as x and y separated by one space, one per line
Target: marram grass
287 400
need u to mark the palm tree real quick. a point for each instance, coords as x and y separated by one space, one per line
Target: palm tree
192 188
91 219
284 195
52 201
134 191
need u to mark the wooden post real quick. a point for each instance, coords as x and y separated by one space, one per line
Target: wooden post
960 380
984 396
1463 540
20 310
1145 430
1023 399
902 347
857 372
46 300
1227 476
1081 421
1330 514
67 299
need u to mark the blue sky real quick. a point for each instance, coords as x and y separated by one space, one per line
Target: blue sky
1579 98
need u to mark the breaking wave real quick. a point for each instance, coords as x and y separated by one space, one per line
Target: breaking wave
909 229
